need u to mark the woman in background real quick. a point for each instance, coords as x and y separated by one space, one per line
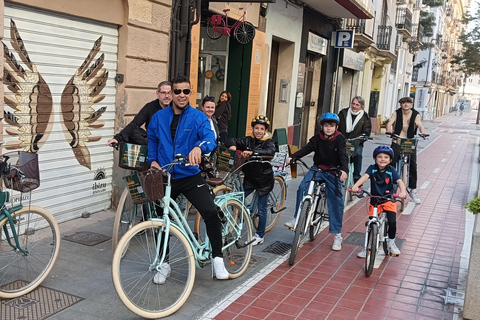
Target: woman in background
223 113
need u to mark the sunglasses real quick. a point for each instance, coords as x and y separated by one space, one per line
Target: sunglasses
209 98
178 91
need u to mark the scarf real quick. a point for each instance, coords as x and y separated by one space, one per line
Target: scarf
350 124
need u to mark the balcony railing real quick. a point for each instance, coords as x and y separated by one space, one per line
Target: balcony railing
404 19
355 24
415 74
418 3
384 37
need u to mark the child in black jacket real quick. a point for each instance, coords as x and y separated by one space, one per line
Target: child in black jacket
258 176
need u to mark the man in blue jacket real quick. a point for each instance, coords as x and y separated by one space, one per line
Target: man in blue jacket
181 129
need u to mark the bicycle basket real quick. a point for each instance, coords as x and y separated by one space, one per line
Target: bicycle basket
352 147
27 165
145 186
408 145
217 19
133 156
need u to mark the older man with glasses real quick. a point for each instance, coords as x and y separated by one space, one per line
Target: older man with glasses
133 133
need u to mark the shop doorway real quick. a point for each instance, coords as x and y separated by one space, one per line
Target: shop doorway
211 75
305 115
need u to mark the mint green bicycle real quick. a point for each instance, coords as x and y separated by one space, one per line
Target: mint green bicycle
143 250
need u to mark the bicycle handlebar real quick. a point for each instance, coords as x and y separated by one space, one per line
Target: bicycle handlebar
396 136
337 170
362 138
361 193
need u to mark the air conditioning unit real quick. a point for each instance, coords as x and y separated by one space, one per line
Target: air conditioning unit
399 41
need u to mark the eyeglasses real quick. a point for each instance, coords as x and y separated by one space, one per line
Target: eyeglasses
178 91
165 92
209 98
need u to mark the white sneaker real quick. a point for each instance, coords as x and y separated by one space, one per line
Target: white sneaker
362 254
392 247
219 270
290 224
163 274
414 196
337 242
257 240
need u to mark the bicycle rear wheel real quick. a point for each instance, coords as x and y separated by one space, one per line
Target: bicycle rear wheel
372 234
39 236
217 33
276 201
319 216
244 32
299 231
133 270
237 236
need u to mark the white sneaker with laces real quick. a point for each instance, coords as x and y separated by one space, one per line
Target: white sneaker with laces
414 196
218 269
290 224
257 240
392 247
163 274
362 254
337 242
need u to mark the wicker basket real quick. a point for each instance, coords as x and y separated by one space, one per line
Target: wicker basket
145 186
24 173
133 156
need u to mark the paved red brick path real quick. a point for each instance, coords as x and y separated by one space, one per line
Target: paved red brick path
332 285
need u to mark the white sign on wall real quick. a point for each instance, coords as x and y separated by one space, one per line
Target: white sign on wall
317 44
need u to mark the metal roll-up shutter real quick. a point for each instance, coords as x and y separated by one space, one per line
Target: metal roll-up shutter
59 94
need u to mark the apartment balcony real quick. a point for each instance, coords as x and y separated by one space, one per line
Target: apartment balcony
404 23
363 32
385 44
417 38
361 9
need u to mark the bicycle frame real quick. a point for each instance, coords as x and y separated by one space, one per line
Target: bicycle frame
6 213
380 222
171 209
314 195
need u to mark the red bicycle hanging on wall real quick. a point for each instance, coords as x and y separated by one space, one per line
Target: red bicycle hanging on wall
218 25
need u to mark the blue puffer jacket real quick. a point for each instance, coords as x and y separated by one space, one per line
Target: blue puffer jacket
193 130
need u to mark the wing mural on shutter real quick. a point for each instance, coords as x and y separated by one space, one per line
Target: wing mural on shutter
80 94
29 97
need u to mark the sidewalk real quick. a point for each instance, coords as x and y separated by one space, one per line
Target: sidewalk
421 283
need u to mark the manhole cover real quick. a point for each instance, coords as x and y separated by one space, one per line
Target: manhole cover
41 303
358 239
87 238
278 247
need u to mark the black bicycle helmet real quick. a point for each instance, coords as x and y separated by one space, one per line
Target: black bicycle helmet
383 149
262 120
329 117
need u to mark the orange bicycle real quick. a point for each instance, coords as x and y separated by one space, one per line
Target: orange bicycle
218 25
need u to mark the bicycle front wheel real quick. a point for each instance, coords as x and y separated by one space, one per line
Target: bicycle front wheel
244 32
372 234
299 231
276 201
129 214
319 216
23 269
135 263
237 236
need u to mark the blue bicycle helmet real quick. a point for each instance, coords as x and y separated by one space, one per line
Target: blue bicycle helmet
329 117
383 149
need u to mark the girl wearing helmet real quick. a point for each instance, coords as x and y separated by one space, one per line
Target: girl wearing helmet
330 151
383 178
258 175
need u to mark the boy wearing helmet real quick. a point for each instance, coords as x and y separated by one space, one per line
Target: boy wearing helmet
330 151
258 175
383 177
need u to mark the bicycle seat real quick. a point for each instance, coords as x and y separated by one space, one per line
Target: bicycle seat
226 10
215 182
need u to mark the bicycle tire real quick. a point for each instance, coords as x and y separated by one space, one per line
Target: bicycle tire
371 249
276 201
236 254
212 34
128 214
319 214
198 230
133 275
244 32
22 273
384 228
299 231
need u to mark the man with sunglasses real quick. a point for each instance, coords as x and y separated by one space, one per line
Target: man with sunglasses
133 133
181 129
